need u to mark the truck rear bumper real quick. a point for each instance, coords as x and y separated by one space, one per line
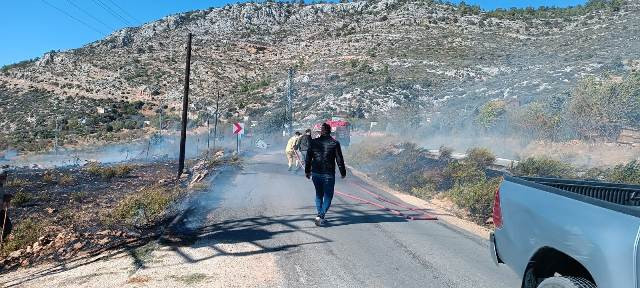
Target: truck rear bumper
493 250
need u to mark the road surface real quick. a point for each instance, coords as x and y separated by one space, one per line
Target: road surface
254 227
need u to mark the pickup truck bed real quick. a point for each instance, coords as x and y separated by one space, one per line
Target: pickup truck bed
628 195
548 227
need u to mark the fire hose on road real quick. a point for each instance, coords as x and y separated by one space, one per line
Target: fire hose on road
422 216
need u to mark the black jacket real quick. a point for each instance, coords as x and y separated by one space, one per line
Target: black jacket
304 142
323 154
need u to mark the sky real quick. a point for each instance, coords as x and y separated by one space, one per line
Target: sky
33 27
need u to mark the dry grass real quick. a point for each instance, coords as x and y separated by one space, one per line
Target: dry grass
17 183
200 186
48 177
66 180
24 233
544 167
582 154
145 206
476 198
78 196
191 279
21 198
138 280
108 172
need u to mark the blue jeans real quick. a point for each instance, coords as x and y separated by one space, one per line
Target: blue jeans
324 184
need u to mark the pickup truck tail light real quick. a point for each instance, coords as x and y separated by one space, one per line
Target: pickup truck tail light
497 211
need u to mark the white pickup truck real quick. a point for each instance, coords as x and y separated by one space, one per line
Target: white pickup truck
568 233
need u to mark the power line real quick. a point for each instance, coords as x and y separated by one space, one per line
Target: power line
90 16
113 12
124 11
74 18
110 11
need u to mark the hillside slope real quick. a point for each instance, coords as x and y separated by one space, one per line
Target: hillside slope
366 59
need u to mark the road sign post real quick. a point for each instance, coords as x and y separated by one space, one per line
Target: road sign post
238 129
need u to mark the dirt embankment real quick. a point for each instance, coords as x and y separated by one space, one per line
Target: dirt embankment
65 213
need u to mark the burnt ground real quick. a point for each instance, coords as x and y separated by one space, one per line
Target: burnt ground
65 213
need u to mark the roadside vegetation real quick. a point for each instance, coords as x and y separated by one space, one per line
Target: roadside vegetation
108 172
468 183
596 110
43 115
67 211
414 170
144 207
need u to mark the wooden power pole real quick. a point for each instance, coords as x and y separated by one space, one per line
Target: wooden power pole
215 124
185 107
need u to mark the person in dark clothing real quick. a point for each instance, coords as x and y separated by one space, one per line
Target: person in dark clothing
5 198
303 144
320 166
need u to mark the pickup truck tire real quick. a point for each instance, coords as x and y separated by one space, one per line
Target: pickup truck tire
566 282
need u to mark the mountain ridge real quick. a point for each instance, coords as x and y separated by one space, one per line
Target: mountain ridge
366 59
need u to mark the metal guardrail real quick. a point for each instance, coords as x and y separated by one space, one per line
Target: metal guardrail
500 163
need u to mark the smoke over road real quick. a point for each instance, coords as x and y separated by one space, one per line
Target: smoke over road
150 149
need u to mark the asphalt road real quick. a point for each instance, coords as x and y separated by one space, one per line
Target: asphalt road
272 210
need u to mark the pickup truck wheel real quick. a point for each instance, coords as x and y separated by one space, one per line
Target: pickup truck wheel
566 282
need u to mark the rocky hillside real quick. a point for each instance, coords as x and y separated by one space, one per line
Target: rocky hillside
364 59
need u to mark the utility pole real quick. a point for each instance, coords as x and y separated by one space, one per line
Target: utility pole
288 118
215 124
160 124
55 145
185 107
208 133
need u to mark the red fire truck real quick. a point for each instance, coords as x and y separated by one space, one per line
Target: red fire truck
340 130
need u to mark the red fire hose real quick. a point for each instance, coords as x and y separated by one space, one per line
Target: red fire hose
423 216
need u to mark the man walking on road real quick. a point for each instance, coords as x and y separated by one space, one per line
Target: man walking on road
303 144
320 165
290 150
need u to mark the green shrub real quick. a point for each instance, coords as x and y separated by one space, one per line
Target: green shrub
539 120
481 157
544 167
465 173
445 154
628 173
17 182
109 172
490 113
78 196
48 177
406 169
66 180
624 173
476 198
145 206
122 170
599 107
425 192
25 233
21 198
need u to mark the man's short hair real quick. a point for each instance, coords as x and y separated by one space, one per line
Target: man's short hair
298 133
307 131
326 129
